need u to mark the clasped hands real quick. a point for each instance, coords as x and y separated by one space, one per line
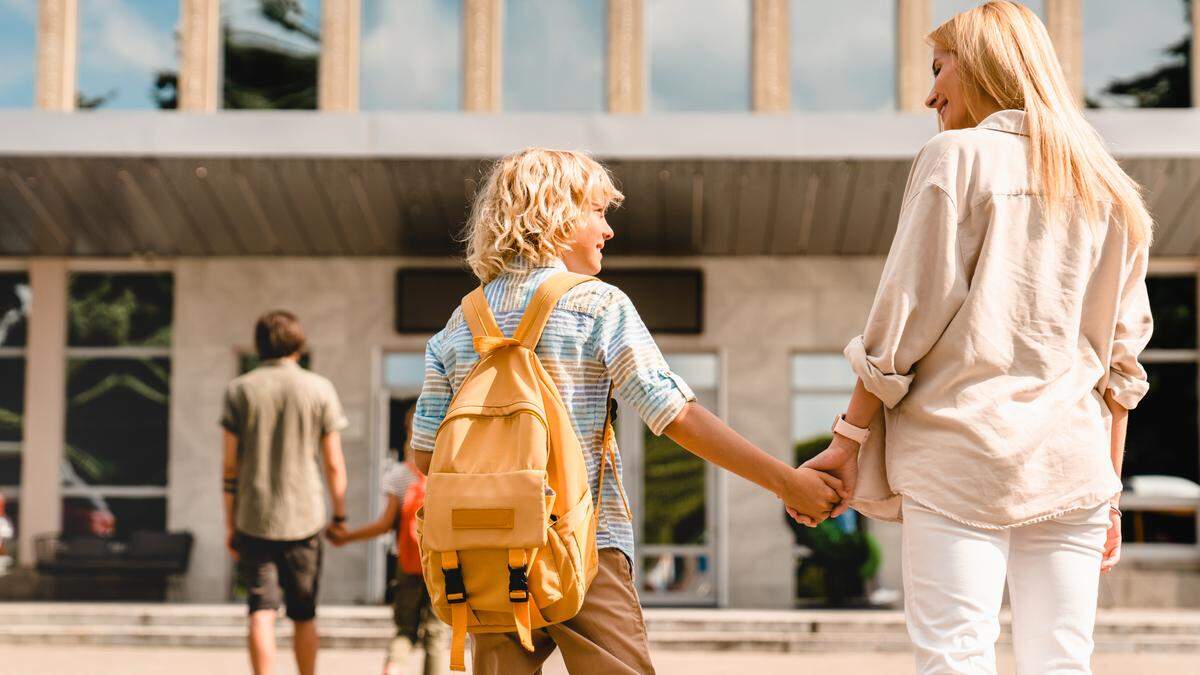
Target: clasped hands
336 534
823 486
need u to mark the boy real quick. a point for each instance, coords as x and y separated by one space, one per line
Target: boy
539 212
416 626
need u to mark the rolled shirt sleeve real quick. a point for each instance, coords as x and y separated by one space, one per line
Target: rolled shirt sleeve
434 400
922 287
640 375
1126 377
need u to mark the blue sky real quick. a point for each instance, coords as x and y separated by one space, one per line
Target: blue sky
411 56
17 52
122 45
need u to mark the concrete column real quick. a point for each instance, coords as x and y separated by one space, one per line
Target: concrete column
1064 22
482 36
772 87
1195 54
45 405
58 22
913 22
200 56
626 57
337 82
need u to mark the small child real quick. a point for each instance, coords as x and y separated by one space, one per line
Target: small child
539 212
416 626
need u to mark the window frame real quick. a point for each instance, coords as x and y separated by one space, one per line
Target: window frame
13 492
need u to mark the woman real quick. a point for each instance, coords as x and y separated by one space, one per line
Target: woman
1003 343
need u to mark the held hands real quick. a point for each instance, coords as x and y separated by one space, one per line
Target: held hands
811 495
840 461
336 534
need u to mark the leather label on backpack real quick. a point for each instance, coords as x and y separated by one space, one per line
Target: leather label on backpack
482 519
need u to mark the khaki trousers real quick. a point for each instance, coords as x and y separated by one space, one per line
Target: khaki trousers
607 637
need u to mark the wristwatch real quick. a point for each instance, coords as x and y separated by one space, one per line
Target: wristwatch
844 428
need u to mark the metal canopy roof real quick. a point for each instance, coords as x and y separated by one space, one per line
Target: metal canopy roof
166 184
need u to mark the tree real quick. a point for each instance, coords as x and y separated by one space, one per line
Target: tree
1169 86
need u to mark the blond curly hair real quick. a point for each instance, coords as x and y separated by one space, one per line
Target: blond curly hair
528 208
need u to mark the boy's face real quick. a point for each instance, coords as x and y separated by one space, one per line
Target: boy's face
585 256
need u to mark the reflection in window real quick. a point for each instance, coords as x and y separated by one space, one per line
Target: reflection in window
946 9
117 517
674 493
851 68
15 303
12 406
403 371
699 52
554 55
120 310
127 54
271 51
1135 54
411 55
15 300
1173 305
117 420
18 50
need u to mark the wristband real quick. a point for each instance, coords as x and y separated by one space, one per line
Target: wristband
844 428
1115 509
339 519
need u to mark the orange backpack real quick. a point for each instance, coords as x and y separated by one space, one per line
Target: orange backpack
408 542
508 532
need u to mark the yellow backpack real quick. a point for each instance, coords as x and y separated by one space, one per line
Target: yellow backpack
508 531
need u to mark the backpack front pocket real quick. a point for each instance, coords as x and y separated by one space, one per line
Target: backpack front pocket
558 578
493 510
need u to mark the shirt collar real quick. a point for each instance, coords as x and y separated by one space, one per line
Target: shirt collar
520 264
1008 121
285 362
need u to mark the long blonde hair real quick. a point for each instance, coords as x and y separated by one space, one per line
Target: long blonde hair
1004 56
529 206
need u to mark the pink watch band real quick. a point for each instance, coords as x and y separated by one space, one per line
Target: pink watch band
844 428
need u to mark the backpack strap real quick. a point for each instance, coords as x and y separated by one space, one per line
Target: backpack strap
608 456
537 313
482 323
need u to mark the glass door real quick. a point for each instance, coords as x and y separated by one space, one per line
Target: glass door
674 497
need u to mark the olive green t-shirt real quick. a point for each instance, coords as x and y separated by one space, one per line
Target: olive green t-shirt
280 412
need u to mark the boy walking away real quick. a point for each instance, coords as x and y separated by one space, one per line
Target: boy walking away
527 538
416 626
281 433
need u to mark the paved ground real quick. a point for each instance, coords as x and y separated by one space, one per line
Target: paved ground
24 660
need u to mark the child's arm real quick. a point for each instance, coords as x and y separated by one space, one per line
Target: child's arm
705 435
382 524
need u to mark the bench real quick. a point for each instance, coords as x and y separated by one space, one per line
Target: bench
97 568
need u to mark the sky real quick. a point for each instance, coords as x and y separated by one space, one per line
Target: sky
697 51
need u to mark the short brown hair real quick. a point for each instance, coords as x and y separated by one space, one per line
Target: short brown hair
278 334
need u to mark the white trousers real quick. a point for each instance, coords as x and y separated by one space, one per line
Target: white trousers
954 578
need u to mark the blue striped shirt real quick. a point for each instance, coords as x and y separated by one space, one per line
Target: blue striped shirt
594 338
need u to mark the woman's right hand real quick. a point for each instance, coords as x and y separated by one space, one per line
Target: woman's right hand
1112 543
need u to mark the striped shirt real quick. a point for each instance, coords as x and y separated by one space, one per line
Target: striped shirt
594 338
397 478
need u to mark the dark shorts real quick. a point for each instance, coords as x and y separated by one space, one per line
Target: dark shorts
265 567
410 605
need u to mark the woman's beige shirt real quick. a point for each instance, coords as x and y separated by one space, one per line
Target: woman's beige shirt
994 335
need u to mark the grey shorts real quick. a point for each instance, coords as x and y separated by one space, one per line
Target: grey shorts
265 567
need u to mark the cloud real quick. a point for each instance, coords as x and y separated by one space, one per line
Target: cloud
850 68
554 55
698 60
411 55
25 9
116 37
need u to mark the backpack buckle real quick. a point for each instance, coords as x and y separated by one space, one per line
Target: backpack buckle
456 590
518 584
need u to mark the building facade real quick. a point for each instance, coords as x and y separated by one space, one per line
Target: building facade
762 146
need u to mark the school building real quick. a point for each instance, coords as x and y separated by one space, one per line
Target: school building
762 145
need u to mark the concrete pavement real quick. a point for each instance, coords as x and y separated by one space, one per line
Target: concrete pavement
59 660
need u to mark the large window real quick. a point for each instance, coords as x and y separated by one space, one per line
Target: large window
1162 456
1136 54
271 52
673 495
18 49
127 54
15 302
411 55
850 68
836 561
699 54
554 55
118 391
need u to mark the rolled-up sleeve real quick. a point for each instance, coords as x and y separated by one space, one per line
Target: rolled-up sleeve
922 287
434 399
1126 377
231 410
640 375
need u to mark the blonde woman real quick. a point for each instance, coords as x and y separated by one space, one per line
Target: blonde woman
1003 343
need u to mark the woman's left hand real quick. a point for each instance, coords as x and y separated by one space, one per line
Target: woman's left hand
1112 544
